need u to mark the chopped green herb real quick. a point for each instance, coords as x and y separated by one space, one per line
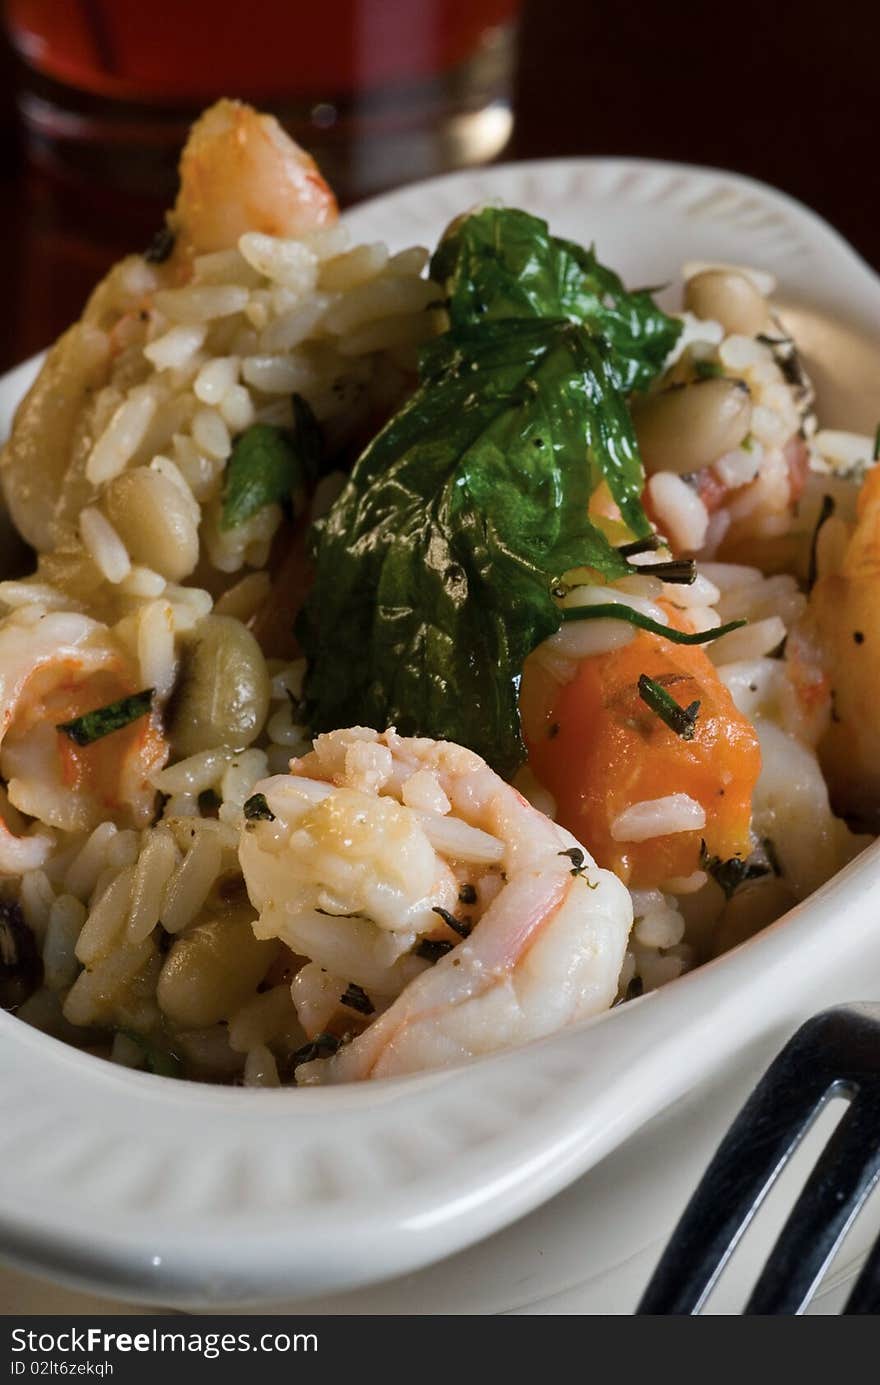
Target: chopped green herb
734 872
157 1058
616 611
681 720
356 998
271 466
681 570
649 544
160 247
256 809
103 721
825 513
322 1046
209 802
875 455
747 444
460 926
576 856
432 949
708 370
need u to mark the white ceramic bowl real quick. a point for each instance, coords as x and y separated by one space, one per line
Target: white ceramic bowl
192 1196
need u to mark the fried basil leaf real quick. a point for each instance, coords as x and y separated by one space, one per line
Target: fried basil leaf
435 565
501 262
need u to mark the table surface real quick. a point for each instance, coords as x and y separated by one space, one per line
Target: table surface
776 91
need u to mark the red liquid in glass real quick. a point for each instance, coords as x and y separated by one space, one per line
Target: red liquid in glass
185 50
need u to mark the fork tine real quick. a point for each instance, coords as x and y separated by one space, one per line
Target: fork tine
769 1127
865 1296
831 1199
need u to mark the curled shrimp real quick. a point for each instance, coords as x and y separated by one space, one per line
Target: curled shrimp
52 670
466 919
240 172
843 623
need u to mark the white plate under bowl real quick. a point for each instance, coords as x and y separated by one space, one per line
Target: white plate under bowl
179 1194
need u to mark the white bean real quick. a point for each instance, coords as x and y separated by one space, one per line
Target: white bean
212 971
154 520
689 427
728 298
223 696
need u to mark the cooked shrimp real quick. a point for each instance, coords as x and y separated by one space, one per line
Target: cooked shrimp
468 919
843 621
240 172
615 768
52 670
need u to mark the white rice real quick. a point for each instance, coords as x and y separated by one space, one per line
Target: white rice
658 817
189 885
104 925
122 437
104 545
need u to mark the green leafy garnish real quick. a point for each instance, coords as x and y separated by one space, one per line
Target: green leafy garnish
649 544
432 949
737 870
435 565
256 809
323 1045
825 512
271 466
578 865
708 370
356 998
681 720
616 611
103 721
875 455
460 926
156 1058
680 570
500 262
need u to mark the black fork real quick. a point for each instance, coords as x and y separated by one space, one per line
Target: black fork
837 1053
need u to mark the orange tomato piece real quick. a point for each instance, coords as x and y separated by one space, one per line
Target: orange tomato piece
599 749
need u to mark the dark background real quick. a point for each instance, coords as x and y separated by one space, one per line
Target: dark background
786 92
